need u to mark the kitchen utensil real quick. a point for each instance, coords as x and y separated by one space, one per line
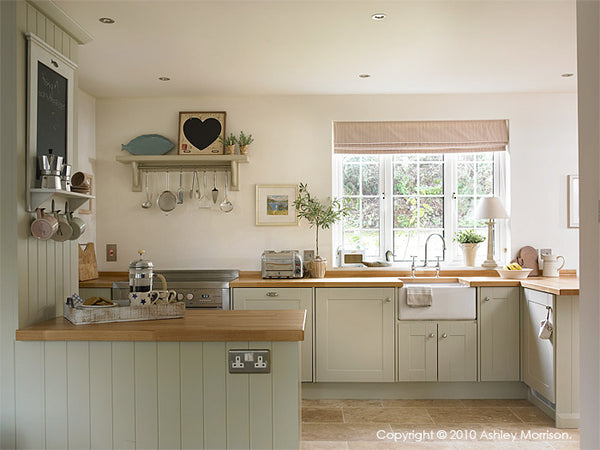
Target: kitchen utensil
180 192
88 267
226 205
167 200
44 226
204 201
215 191
514 274
550 265
65 177
140 274
148 203
76 223
64 231
528 259
194 181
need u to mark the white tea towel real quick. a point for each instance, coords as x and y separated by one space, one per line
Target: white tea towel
418 296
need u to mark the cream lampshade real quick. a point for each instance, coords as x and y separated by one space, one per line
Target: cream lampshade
490 208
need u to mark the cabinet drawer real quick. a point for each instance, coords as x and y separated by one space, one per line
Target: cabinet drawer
541 298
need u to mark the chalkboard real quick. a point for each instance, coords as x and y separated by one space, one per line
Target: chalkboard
52 101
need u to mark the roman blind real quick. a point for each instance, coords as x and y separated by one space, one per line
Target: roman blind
452 136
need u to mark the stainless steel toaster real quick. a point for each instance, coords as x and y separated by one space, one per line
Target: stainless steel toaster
284 264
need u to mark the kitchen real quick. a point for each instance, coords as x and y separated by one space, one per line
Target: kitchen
292 132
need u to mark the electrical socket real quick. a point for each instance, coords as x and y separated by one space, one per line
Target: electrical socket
111 252
249 361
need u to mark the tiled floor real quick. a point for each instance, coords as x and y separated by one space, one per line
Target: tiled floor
430 424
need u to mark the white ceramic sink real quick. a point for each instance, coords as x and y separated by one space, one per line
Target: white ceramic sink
451 301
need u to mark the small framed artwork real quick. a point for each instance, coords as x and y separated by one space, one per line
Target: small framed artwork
275 204
199 133
573 201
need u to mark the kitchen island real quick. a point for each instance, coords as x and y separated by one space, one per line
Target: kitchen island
159 384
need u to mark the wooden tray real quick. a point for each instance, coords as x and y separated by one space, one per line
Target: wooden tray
82 316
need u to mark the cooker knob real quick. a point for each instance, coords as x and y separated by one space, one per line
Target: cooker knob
179 296
189 296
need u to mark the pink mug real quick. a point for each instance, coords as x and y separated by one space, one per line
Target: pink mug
44 226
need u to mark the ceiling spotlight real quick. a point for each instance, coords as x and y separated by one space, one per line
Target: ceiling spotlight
364 75
164 78
566 75
106 20
378 16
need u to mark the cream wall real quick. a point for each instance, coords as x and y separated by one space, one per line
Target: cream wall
86 152
293 144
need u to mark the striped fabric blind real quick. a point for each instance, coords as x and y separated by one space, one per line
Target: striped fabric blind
453 136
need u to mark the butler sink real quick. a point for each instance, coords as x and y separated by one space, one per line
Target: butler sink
451 301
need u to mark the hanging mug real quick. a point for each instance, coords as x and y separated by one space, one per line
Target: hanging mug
44 226
64 231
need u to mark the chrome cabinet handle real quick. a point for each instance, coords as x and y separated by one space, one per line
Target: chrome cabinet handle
388 300
444 335
486 299
431 335
272 294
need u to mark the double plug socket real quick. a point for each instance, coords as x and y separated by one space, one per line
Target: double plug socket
249 361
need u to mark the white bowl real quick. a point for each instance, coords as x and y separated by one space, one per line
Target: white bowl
514 274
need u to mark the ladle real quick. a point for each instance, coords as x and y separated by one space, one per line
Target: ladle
226 205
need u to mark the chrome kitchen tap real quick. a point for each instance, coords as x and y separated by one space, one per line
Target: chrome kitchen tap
427 242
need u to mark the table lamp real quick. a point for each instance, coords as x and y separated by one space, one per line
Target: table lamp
490 208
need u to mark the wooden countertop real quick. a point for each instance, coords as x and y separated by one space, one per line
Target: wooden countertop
105 280
212 325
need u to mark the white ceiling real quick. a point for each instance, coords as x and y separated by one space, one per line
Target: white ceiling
320 47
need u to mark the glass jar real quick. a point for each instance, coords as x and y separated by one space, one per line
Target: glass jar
140 274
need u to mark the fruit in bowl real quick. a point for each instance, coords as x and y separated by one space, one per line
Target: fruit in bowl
513 271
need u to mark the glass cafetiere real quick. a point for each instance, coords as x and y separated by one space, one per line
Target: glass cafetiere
140 274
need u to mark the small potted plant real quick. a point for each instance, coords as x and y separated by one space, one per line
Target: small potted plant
244 141
469 240
320 215
229 143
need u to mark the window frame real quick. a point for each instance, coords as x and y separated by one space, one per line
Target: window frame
452 255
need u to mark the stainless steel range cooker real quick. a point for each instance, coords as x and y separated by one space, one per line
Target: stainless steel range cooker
197 288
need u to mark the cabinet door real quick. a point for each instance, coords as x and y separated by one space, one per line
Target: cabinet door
417 351
457 351
538 354
283 298
499 338
354 334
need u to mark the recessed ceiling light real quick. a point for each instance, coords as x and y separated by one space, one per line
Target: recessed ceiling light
378 16
566 75
106 20
364 75
164 78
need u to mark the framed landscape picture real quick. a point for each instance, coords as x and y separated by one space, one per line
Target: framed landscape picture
199 133
275 204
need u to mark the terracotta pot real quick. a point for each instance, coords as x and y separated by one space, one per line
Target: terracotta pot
243 149
229 149
317 267
469 253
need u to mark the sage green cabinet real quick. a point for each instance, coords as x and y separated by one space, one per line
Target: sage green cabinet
538 354
354 334
437 350
499 333
281 299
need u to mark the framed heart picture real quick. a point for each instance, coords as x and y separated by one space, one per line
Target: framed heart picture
199 133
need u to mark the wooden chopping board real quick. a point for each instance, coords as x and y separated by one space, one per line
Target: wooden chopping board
528 259
88 267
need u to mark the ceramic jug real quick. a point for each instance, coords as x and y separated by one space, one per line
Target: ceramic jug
551 266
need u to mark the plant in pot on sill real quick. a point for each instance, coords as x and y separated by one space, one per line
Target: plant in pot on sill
469 240
229 143
244 141
320 215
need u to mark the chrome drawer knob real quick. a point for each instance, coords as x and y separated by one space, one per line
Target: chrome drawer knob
431 335
486 299
272 294
388 300
444 335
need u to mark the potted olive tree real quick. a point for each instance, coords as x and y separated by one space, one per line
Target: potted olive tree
244 140
229 143
320 215
469 240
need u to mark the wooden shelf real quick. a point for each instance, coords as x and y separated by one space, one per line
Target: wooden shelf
38 196
139 163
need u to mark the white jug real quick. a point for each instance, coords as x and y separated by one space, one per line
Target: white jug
551 266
